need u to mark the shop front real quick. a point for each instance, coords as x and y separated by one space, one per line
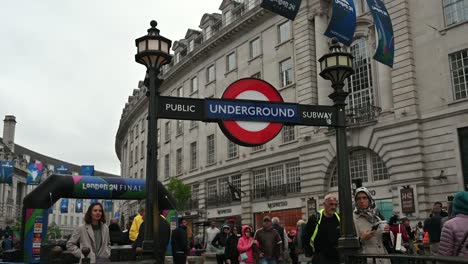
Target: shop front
289 211
223 215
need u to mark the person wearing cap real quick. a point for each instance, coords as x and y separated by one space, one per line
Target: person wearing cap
365 217
269 243
454 236
219 242
325 231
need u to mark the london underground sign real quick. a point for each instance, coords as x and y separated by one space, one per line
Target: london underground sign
249 133
251 112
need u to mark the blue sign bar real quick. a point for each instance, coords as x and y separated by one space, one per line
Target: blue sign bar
251 111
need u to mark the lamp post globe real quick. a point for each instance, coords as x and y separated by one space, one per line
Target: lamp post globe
153 52
336 67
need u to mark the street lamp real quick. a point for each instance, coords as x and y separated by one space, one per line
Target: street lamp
336 66
153 52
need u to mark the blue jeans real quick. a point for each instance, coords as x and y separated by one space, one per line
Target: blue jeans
267 261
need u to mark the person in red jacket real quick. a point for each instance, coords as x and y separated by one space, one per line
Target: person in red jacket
396 227
245 246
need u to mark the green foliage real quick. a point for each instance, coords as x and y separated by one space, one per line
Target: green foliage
180 191
53 232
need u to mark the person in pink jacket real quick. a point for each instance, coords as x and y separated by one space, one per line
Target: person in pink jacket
454 236
245 246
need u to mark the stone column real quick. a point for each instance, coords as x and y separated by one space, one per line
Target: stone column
321 47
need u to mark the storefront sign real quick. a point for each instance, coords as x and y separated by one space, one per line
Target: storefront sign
407 201
277 205
224 212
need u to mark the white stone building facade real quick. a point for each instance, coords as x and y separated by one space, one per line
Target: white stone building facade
408 125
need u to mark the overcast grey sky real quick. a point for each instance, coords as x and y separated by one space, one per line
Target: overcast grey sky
67 68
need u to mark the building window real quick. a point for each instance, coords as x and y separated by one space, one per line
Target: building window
210 74
141 174
227 17
193 155
212 188
259 178
180 91
255 48
142 125
179 161
136 153
231 62
136 130
360 85
364 165
176 57
167 129
210 150
232 149
459 72
142 154
191 45
180 127
288 134
193 85
284 32
286 74
131 157
455 11
277 180
293 177
257 75
258 148
193 123
166 166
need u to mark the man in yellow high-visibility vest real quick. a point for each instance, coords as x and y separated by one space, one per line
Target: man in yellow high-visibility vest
325 230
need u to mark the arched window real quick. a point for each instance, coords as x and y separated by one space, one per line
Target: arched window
364 164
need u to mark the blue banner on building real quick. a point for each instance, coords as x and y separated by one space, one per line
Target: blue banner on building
343 21
108 206
34 173
87 170
62 169
285 8
79 206
64 206
7 169
385 51
93 200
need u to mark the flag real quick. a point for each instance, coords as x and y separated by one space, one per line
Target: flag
285 8
235 192
385 50
87 170
342 22
79 206
62 169
108 206
7 169
34 173
64 206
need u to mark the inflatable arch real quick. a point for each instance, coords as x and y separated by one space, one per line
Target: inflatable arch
36 204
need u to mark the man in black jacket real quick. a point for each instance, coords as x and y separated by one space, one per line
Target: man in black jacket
179 242
323 230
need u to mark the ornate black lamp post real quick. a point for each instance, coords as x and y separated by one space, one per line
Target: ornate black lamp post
336 66
153 52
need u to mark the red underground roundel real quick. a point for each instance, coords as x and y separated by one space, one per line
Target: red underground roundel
249 133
